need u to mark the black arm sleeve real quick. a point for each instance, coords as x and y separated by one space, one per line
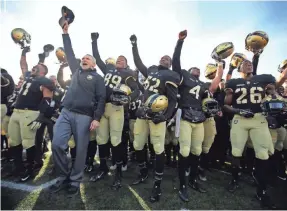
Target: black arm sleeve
7 85
72 61
100 99
97 56
255 61
176 66
138 62
171 92
60 78
132 83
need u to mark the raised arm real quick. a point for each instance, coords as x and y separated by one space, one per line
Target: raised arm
23 61
60 75
215 82
255 61
73 63
137 60
176 66
96 53
171 92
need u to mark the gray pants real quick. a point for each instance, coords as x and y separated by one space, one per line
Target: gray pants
67 124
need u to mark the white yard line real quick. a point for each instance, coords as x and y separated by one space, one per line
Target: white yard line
27 188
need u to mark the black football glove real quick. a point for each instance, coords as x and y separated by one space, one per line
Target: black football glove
36 124
25 50
244 113
133 40
120 99
95 36
158 118
221 60
141 113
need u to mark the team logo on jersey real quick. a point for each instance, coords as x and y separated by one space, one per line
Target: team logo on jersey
247 82
57 93
235 121
89 77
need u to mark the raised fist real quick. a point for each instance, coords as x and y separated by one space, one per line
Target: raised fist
94 36
26 49
182 35
133 39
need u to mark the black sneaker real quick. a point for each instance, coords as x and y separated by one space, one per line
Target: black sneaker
99 176
59 185
265 201
140 179
155 194
194 184
72 191
182 193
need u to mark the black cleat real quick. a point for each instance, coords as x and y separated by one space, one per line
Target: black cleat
265 201
182 193
155 195
99 176
196 186
233 186
201 174
59 185
141 179
28 174
72 191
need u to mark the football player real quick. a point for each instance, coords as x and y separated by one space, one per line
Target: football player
32 108
160 80
192 92
112 122
243 99
7 88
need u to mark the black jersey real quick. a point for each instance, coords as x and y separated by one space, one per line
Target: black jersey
114 77
192 91
248 94
30 94
157 80
134 105
11 102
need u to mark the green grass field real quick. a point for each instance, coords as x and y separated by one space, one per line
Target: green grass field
100 195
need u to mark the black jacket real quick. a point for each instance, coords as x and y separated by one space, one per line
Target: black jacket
86 94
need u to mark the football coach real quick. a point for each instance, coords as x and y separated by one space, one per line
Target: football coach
83 107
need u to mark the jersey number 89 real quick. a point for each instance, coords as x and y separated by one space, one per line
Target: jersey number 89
112 80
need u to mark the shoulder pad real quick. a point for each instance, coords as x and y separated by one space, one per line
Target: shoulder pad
46 83
173 77
231 84
265 78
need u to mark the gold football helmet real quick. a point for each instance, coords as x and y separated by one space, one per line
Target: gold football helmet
122 89
236 59
210 106
256 41
222 51
61 55
210 71
282 66
110 60
156 103
21 37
